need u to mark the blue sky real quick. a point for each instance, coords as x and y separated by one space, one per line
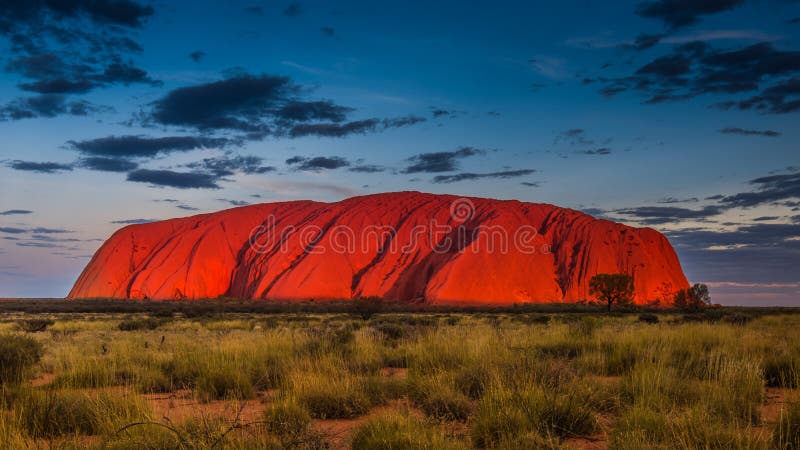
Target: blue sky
666 113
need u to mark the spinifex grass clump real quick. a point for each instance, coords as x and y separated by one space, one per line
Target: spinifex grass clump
18 355
400 430
47 414
505 414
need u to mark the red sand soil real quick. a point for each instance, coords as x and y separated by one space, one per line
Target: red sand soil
300 255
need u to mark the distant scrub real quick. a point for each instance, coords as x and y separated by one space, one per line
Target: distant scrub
34 325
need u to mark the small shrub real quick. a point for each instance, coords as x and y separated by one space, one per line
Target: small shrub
34 325
648 318
145 323
18 355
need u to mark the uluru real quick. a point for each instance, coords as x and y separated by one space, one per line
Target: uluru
405 246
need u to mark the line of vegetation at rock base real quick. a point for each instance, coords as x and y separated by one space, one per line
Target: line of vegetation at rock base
217 306
494 380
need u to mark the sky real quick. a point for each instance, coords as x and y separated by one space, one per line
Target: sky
680 115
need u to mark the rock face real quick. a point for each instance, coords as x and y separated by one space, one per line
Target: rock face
406 246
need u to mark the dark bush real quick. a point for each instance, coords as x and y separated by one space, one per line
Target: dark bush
145 323
781 370
34 325
392 331
737 319
648 318
18 355
693 318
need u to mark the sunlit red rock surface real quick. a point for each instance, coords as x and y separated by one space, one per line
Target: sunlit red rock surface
300 253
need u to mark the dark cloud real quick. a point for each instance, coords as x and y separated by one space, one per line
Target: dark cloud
680 13
48 238
781 98
769 189
132 221
531 184
144 147
317 163
45 105
300 111
237 103
187 208
12 212
794 20
261 106
440 112
229 165
180 180
41 167
114 12
597 151
39 244
233 202
466 176
328 31
645 41
594 211
57 52
42 230
367 168
694 69
12 230
670 200
440 161
197 55
765 218
745 132
657 215
58 86
107 164
355 127
294 9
